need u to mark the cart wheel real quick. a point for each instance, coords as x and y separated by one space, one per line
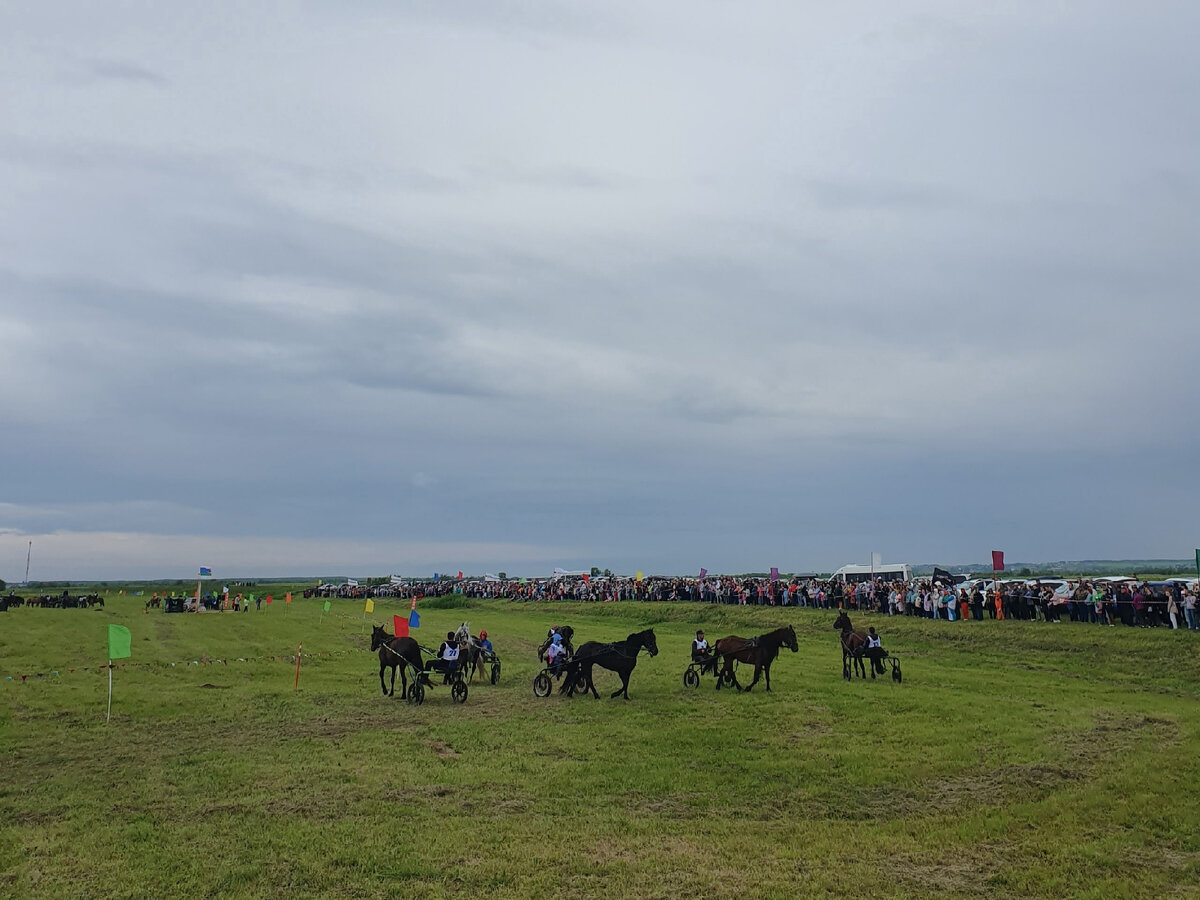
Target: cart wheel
541 685
459 691
896 676
726 677
416 694
690 678
582 686
495 673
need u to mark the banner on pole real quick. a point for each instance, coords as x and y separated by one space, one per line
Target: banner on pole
119 642
400 626
370 607
703 572
205 572
997 560
774 573
414 620
287 598
639 577
328 606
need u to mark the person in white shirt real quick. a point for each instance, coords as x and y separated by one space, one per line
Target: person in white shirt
702 654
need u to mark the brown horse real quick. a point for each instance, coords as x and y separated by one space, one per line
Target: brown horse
396 653
854 647
760 652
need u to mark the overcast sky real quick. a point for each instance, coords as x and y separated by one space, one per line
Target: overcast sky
369 288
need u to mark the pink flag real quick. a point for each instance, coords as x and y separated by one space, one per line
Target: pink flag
400 625
997 560
703 572
774 573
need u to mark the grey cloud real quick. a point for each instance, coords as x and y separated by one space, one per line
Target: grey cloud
121 70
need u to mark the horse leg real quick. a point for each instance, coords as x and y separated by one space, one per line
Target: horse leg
382 683
624 688
767 675
757 673
845 664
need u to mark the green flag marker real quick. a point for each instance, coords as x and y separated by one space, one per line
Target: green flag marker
328 606
119 640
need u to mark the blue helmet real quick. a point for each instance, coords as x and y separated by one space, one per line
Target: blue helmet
558 638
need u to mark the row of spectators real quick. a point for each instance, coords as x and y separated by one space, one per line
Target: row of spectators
1132 603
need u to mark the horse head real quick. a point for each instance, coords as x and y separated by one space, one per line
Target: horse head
379 637
648 641
842 622
789 639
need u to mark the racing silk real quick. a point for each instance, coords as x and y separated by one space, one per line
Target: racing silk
873 642
699 646
449 651
554 651
485 645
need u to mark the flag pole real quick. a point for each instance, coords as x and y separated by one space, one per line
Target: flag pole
300 648
108 718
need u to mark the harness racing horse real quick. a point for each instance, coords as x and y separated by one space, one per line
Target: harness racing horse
854 647
760 651
619 657
395 652
567 633
470 654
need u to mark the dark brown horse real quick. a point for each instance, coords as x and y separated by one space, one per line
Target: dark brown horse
854 647
759 652
397 653
619 657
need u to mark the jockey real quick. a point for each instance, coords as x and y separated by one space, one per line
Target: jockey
701 653
485 646
554 652
447 658
874 650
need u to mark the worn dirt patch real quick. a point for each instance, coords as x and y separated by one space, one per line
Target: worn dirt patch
443 750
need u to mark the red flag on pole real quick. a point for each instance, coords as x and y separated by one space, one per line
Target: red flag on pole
587 578
400 625
997 560
460 576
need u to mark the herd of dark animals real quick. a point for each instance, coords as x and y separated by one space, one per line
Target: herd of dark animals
621 657
53 601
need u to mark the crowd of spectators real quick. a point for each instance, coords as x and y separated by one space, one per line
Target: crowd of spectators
1132 602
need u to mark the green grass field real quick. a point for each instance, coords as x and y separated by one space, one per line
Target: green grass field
1016 759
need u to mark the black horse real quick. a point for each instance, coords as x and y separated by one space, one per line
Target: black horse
759 652
398 653
619 657
567 633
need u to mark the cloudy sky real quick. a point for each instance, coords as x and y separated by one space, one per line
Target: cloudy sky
333 287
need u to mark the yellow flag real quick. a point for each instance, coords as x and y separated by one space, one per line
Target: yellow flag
370 607
639 576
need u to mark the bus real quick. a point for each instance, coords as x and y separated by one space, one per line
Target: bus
855 574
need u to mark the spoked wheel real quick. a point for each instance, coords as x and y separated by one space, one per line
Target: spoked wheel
541 685
495 673
896 676
459 691
726 677
416 693
691 678
581 686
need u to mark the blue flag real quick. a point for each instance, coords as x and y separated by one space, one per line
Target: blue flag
435 576
414 620
205 570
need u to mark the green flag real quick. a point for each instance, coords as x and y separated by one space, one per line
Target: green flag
119 640
328 606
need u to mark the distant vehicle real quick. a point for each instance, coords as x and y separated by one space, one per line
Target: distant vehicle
856 574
